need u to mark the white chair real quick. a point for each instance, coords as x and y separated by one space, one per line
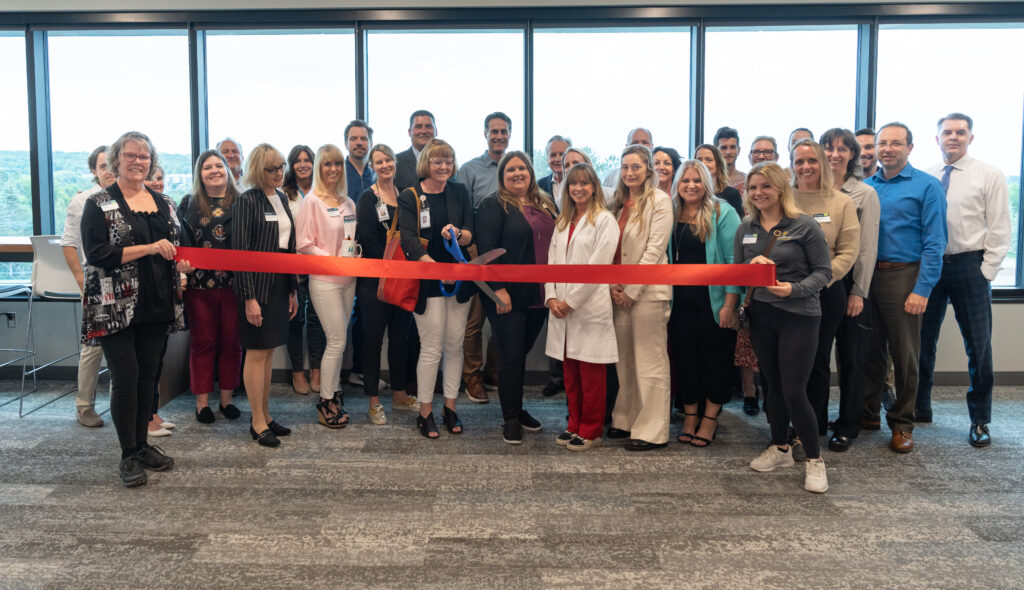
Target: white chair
14 292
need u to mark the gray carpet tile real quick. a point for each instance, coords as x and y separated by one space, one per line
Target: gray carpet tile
381 507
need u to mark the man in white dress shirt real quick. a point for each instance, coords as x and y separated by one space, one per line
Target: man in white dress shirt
978 221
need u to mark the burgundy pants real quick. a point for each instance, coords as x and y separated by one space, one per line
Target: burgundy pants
213 322
585 390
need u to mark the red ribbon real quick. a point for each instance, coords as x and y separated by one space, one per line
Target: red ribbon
741 275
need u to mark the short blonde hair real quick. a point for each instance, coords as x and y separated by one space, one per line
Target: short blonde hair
819 152
257 161
329 153
435 148
779 180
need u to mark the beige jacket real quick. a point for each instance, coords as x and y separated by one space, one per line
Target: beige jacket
647 243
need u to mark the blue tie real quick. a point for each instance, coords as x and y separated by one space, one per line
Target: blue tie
945 178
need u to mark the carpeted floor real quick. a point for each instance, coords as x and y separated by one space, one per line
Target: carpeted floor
379 506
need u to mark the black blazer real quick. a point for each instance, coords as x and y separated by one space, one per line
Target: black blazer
405 170
511 231
251 231
545 184
459 209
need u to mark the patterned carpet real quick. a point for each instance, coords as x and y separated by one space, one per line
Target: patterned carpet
379 506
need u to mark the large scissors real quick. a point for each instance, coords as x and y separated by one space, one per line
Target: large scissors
453 248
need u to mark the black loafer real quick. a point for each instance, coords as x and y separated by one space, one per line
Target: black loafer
979 436
839 443
642 445
553 388
265 438
750 406
230 411
279 430
616 433
205 416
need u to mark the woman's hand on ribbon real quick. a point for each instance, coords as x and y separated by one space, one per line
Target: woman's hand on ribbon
781 289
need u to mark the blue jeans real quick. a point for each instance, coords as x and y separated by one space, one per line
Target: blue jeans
963 285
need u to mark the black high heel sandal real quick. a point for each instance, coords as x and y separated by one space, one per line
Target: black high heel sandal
687 437
451 421
706 442
427 426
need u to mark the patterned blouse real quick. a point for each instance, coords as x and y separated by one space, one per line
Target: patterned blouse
202 231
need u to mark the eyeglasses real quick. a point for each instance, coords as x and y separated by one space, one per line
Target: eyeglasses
442 162
890 144
273 169
766 153
129 157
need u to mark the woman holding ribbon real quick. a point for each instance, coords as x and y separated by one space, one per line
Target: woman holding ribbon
437 209
641 313
298 181
262 222
581 314
785 316
701 341
375 212
326 226
520 219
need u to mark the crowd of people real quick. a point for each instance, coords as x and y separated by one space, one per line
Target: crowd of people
867 249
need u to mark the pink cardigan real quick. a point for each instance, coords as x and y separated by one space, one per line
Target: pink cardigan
320 234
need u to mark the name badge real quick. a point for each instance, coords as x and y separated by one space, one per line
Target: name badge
382 211
333 212
107 290
750 238
822 218
270 216
108 206
425 218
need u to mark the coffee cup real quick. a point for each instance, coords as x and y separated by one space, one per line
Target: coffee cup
351 249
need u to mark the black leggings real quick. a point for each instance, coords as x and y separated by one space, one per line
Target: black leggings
833 310
515 332
785 344
133 357
376 317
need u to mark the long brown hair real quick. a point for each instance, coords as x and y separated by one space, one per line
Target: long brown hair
646 190
721 177
199 189
537 198
586 173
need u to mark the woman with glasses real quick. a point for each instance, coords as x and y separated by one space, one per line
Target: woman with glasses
435 209
520 219
263 223
375 212
132 294
298 181
641 312
326 226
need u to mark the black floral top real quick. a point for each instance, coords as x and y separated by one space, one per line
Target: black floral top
201 231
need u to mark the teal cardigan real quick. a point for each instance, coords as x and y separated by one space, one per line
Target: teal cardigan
718 249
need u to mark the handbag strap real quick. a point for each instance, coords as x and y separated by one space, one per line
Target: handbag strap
767 250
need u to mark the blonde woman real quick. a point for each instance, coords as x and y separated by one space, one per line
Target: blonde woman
641 312
581 315
327 227
785 316
701 341
836 214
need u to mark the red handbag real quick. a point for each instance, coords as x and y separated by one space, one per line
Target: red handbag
400 292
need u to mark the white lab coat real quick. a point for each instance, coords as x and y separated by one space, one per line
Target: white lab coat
587 333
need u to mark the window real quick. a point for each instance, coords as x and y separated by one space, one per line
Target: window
595 85
460 76
925 72
284 89
15 176
771 80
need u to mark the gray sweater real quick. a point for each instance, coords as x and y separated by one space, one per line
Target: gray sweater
801 258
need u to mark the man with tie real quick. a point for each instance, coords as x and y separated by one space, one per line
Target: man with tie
422 129
911 239
978 223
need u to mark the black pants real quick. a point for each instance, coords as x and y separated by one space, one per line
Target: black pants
379 316
701 355
852 340
305 317
833 310
785 345
133 357
515 332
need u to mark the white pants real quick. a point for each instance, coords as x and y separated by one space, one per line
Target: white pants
644 401
333 305
88 375
441 326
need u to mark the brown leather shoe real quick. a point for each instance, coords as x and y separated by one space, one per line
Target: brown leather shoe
866 424
902 442
475 390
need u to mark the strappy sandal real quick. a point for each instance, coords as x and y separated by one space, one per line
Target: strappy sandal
427 426
451 421
331 414
687 437
703 440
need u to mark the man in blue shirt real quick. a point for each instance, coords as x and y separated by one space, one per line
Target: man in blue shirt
358 175
911 240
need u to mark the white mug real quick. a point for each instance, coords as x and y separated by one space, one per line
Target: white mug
349 248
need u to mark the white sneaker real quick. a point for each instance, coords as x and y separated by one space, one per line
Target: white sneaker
815 479
771 458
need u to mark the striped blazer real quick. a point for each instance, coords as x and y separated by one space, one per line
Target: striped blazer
251 231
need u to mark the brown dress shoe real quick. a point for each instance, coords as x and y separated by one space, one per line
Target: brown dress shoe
902 442
475 390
